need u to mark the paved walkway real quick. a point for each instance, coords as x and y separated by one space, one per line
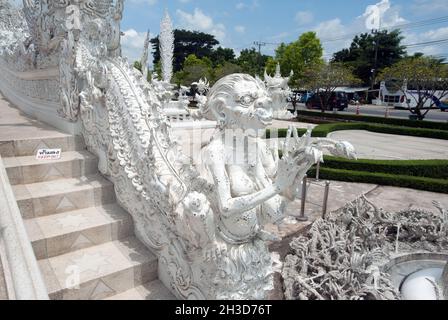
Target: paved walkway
373 145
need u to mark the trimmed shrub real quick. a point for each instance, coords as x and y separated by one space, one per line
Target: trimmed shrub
437 169
403 181
378 120
282 133
324 129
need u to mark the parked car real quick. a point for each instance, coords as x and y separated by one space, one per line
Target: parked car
338 100
305 96
297 97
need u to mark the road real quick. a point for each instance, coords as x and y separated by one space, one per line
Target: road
380 111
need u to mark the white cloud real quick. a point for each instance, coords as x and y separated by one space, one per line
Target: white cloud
336 35
132 44
240 29
330 30
429 6
240 5
435 34
201 22
304 17
150 2
243 5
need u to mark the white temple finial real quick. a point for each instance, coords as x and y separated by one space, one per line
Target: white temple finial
166 44
278 73
144 58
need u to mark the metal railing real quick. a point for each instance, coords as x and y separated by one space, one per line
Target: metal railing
306 182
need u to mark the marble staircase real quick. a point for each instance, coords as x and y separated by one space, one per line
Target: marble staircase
83 240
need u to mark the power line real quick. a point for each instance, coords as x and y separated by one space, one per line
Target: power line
348 36
416 24
441 41
259 44
410 25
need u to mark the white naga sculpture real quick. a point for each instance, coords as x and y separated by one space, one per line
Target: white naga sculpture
279 90
206 227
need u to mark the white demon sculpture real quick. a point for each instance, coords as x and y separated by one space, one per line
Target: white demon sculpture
278 88
251 187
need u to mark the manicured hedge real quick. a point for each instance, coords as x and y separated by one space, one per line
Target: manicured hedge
437 169
379 120
403 181
324 129
281 133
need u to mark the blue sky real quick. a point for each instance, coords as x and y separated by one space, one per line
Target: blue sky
238 23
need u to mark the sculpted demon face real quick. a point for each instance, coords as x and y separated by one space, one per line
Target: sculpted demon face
239 101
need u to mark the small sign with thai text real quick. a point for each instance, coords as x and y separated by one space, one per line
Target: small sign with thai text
48 154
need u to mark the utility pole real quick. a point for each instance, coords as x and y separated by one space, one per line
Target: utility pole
375 63
259 44
376 34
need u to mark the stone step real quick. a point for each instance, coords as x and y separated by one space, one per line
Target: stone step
154 290
29 147
73 230
27 169
103 271
50 197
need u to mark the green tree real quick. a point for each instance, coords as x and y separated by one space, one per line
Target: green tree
324 78
221 55
186 43
360 56
194 69
252 62
138 65
426 76
271 64
225 69
298 56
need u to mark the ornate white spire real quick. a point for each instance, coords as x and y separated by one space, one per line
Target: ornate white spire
166 43
278 73
144 58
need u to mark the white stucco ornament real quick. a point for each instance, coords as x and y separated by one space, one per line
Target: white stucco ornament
166 44
278 88
144 57
362 252
205 222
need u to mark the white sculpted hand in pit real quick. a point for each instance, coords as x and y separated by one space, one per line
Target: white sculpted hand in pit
252 185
